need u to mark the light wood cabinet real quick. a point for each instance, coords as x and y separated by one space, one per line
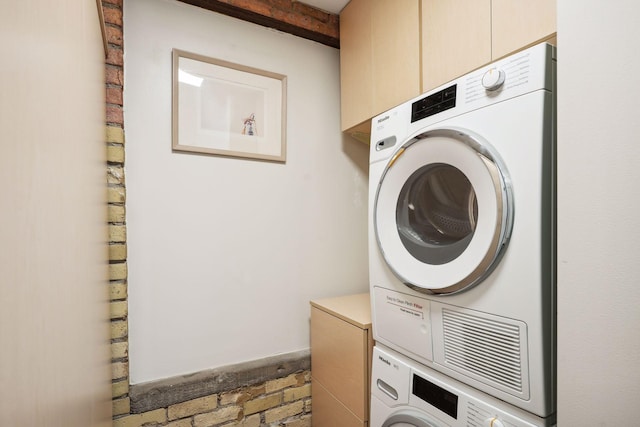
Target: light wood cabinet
379 57
460 36
456 38
393 50
517 24
356 64
341 347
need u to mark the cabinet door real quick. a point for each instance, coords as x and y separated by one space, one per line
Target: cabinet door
339 360
329 411
456 38
396 52
379 57
520 23
355 63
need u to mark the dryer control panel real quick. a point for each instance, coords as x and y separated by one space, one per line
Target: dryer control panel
433 104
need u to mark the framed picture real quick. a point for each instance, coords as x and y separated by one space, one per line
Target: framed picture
103 28
227 109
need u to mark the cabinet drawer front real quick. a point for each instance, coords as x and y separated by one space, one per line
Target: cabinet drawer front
339 360
328 411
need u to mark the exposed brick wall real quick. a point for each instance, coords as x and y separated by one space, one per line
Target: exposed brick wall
282 402
114 74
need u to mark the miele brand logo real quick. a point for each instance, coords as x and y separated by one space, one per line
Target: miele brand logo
384 360
382 119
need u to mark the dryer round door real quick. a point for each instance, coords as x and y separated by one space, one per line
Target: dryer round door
443 211
410 419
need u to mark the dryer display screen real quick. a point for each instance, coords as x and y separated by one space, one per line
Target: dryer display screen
434 395
434 103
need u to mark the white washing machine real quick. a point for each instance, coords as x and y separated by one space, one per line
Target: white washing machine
404 393
462 229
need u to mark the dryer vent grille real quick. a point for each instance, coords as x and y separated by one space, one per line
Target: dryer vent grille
487 349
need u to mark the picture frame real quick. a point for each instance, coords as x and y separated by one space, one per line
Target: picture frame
227 109
103 28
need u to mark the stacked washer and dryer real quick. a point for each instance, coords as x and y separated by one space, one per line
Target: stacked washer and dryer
462 250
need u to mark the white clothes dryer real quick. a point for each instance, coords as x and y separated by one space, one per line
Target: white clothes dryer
462 229
405 394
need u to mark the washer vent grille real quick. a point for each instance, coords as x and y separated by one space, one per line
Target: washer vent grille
488 348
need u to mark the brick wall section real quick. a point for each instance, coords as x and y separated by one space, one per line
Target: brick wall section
114 74
283 402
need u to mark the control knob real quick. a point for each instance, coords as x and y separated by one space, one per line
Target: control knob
493 422
493 79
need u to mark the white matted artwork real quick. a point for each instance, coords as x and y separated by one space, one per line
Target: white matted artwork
227 109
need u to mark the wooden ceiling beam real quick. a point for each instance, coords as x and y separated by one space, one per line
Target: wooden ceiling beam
289 16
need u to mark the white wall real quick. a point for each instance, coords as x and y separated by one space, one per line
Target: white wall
55 361
598 205
225 254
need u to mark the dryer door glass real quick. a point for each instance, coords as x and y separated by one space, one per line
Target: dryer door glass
437 213
443 211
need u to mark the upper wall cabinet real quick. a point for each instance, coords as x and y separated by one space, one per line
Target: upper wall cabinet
456 38
460 36
379 57
518 23
393 50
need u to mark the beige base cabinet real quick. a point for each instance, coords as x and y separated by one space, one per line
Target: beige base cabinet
341 347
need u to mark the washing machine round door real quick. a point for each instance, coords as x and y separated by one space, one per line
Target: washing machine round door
443 211
410 419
